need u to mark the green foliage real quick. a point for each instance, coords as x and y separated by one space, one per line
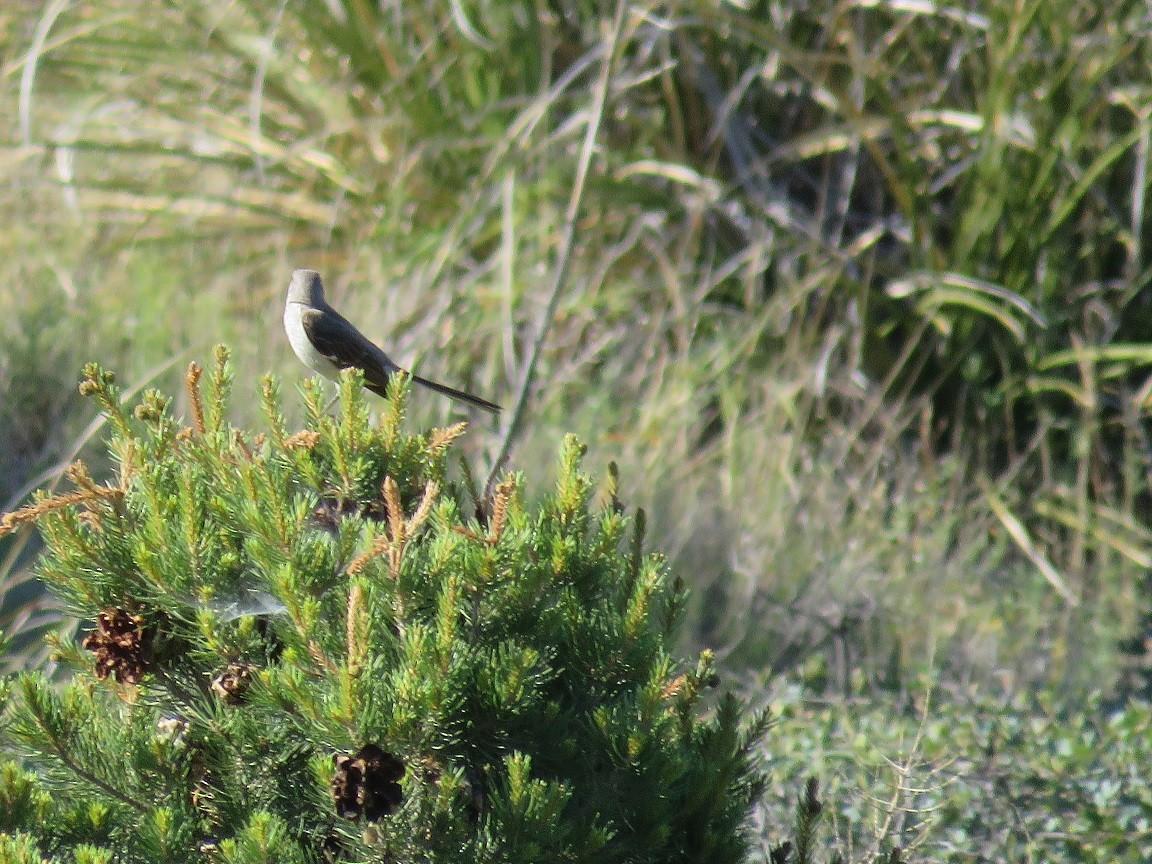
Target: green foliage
971 184
860 289
301 648
931 215
951 780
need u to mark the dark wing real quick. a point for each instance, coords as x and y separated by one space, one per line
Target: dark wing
334 337
338 340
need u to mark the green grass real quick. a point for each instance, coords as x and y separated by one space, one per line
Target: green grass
981 779
856 295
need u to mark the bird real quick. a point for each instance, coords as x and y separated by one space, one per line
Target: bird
326 342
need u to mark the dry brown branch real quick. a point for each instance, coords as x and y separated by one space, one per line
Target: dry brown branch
503 496
304 440
192 383
27 515
399 531
442 438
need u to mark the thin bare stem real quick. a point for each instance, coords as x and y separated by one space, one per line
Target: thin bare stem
517 416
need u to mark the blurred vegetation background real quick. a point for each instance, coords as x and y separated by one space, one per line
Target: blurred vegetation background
855 292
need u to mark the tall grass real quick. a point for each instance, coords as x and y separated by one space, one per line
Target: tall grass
856 296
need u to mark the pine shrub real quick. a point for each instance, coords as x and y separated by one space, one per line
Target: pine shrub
312 646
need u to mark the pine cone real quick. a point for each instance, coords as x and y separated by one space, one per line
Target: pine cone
120 645
367 784
231 684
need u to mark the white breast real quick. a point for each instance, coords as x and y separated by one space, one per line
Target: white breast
302 345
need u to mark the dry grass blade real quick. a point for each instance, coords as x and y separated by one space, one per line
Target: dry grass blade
1019 533
518 415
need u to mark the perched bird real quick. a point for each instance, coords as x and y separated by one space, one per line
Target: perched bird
327 342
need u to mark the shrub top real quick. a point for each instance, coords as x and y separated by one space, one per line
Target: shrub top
306 646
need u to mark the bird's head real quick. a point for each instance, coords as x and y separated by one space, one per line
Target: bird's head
306 288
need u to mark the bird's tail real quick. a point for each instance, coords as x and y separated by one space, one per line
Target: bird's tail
458 395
